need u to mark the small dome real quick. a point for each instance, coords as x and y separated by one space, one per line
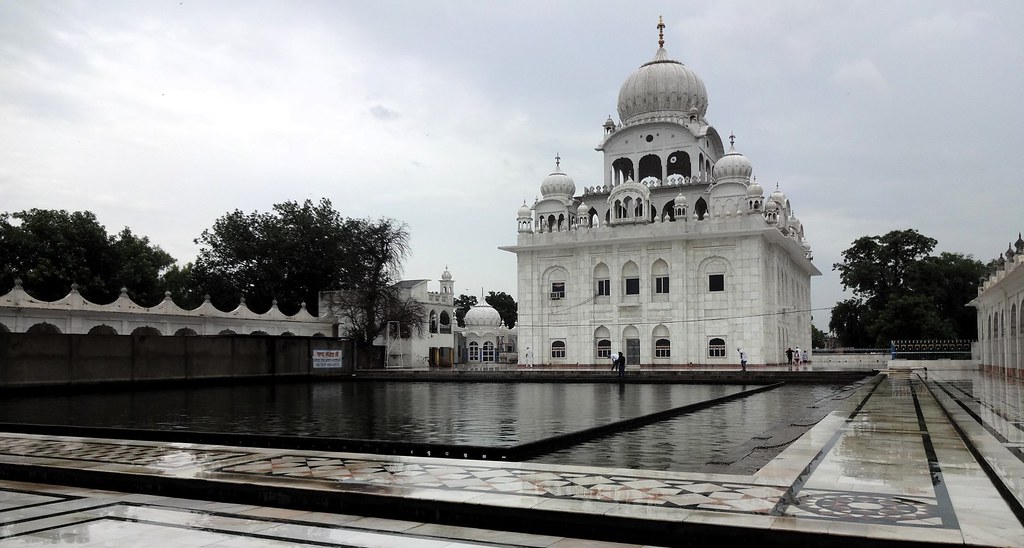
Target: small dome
754 190
778 197
772 205
582 209
680 199
482 316
732 166
557 183
524 211
1019 244
446 276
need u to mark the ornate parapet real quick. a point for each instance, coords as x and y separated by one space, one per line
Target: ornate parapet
20 311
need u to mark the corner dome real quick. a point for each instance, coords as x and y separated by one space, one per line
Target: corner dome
754 190
482 316
733 166
662 87
557 183
524 211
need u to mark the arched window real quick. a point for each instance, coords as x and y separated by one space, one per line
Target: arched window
679 163
602 281
4 328
433 321
662 348
187 332
102 329
630 278
259 333
226 332
474 352
700 208
623 166
659 277
650 166
558 349
716 348
662 344
488 353
446 322
146 331
604 348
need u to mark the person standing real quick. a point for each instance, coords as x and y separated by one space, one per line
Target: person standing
621 362
789 356
743 359
797 356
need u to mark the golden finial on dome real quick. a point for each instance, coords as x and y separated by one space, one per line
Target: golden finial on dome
661 32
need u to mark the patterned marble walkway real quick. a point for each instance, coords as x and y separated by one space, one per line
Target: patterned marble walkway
889 466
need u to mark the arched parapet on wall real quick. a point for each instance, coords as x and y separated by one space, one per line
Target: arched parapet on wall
44 328
18 298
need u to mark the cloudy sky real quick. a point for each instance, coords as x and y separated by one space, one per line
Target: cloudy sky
164 115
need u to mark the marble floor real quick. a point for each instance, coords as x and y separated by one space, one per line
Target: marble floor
909 458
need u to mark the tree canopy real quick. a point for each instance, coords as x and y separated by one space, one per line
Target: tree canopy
900 291
49 250
506 306
289 254
462 305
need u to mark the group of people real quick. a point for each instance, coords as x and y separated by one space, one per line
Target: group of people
796 356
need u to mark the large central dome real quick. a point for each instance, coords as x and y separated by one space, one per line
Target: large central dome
662 88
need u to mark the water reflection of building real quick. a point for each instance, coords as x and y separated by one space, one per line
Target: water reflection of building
676 257
1000 304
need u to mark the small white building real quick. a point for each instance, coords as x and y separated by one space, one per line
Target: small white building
486 339
676 257
429 345
1000 305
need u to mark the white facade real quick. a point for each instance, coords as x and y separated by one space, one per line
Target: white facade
1000 304
676 258
431 345
22 313
487 340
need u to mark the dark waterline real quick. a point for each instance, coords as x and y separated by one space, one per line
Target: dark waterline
486 414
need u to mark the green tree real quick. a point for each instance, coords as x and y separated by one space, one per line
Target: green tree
370 295
49 250
505 305
817 337
900 291
462 305
289 255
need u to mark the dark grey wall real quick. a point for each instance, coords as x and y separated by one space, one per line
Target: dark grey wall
38 360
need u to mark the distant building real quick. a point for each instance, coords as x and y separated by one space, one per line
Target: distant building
432 344
675 257
1000 304
486 340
